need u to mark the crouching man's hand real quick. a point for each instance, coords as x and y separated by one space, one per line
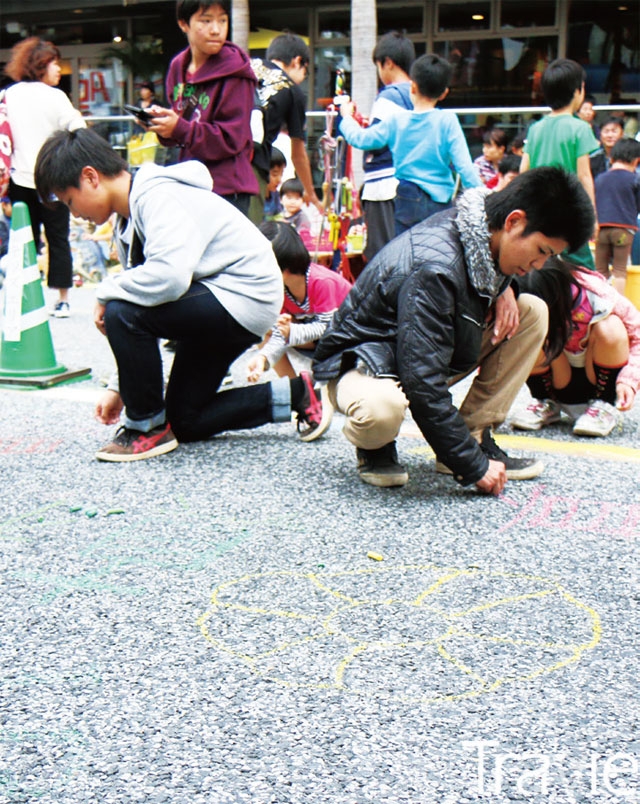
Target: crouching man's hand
109 407
494 479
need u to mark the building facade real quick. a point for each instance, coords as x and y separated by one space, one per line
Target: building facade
498 48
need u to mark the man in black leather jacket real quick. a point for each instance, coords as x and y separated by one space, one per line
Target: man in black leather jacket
437 303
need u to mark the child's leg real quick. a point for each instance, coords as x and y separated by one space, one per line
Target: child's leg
283 368
545 380
607 353
621 247
603 252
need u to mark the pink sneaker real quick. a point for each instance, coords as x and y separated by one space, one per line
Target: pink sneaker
316 414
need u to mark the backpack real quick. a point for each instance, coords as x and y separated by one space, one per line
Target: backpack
6 146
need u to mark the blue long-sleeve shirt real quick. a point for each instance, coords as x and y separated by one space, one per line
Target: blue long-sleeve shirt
425 147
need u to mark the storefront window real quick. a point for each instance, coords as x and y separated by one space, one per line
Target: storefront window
328 60
102 86
497 72
525 13
464 16
334 24
605 39
410 21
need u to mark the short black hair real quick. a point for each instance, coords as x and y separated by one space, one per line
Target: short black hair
554 201
291 253
560 81
510 163
185 9
277 158
398 48
517 142
291 186
286 47
431 74
612 120
625 150
65 153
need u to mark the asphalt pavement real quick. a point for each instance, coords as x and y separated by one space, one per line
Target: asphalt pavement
242 620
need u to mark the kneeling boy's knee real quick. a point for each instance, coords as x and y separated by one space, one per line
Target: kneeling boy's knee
382 414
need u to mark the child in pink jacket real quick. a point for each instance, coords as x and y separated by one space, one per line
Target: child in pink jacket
312 293
590 368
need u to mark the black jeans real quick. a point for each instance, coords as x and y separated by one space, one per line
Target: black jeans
208 340
56 227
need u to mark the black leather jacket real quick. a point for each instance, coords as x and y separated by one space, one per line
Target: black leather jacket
414 314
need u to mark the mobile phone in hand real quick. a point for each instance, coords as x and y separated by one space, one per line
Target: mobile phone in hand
142 114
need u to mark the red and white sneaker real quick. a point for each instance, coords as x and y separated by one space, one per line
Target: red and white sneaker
315 414
133 445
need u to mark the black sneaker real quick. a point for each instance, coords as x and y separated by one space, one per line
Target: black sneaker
517 468
380 467
133 445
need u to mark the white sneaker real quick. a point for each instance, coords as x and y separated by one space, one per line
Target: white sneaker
61 310
599 419
539 413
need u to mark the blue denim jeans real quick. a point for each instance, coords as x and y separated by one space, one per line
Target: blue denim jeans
413 205
208 340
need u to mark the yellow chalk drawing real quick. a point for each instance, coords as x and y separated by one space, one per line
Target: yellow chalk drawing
418 633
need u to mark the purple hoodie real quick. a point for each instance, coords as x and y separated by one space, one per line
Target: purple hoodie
217 128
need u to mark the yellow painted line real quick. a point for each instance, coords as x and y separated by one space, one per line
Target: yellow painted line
583 449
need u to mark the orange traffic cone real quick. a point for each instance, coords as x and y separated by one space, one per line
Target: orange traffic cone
27 357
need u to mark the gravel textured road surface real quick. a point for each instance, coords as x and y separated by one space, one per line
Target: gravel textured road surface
244 621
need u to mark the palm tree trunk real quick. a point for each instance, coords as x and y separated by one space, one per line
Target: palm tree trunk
364 81
240 23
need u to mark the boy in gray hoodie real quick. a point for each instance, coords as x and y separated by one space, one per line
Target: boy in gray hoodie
198 273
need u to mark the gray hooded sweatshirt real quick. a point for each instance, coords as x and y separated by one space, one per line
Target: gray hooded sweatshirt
190 234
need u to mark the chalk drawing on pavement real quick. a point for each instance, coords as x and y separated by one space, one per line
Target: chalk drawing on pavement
414 633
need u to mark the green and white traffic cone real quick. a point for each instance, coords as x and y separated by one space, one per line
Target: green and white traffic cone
27 356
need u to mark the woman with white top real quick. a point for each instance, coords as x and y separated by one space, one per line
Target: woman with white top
36 108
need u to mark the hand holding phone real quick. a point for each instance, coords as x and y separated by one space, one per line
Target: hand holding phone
142 114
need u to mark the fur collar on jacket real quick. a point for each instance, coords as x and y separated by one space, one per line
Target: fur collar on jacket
471 220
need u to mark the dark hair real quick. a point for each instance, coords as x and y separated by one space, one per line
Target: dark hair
553 200
30 59
64 155
286 47
517 142
185 9
291 253
148 85
510 163
612 120
277 157
432 75
497 137
554 284
291 186
560 81
625 150
398 48
589 99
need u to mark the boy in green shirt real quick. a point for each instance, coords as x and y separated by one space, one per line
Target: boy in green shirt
562 140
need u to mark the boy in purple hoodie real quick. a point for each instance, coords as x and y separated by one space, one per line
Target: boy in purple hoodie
210 86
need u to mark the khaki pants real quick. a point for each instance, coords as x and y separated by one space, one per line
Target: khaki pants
375 407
